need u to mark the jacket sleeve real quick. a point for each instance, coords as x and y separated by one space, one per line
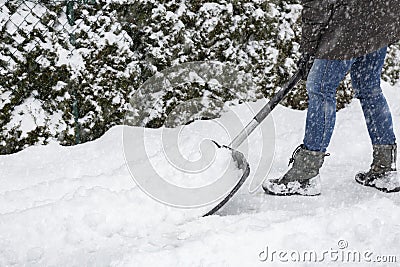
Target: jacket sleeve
316 15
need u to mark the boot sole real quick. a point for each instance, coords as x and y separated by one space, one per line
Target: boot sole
382 189
272 193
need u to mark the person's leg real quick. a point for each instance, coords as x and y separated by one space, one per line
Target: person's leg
366 79
322 82
303 177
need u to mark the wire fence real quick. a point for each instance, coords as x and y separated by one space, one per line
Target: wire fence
25 26
39 57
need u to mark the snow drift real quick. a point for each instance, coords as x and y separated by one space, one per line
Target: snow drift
79 206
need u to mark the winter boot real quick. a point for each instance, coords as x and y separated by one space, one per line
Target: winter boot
303 178
382 174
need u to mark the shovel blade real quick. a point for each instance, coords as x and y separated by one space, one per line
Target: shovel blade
241 164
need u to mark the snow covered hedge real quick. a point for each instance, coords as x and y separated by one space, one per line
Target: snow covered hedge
70 77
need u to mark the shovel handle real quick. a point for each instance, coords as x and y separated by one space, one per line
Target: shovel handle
266 110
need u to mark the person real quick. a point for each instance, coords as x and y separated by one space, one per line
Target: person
339 36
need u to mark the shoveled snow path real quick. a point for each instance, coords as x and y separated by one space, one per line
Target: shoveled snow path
78 206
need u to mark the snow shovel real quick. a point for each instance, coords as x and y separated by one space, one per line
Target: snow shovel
237 156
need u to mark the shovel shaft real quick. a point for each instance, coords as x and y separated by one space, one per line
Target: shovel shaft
239 139
265 111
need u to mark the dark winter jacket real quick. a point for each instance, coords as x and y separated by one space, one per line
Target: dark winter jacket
347 29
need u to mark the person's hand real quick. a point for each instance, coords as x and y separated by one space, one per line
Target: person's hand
304 64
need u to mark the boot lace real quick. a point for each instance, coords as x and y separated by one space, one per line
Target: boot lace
302 146
293 157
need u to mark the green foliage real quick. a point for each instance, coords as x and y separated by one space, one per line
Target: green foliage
98 64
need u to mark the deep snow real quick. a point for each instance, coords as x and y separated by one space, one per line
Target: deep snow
79 206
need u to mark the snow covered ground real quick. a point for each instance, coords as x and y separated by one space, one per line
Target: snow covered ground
78 206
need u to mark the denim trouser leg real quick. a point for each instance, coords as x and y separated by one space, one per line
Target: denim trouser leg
324 78
366 80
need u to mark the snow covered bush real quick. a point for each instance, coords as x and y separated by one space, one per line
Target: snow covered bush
69 76
391 71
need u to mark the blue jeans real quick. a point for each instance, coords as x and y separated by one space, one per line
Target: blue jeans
324 78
